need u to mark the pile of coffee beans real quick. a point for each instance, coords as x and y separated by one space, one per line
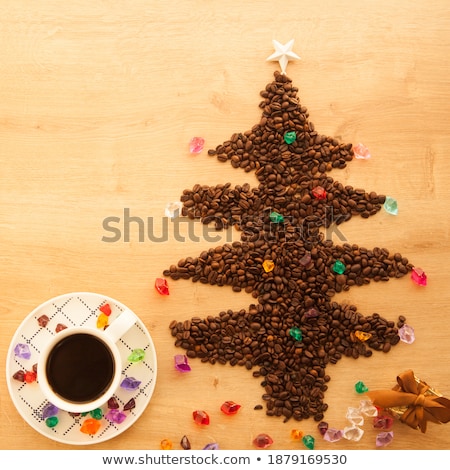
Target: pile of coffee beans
297 293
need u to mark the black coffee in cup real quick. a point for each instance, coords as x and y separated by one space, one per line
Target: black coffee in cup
80 368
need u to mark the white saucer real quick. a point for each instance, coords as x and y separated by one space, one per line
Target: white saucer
79 309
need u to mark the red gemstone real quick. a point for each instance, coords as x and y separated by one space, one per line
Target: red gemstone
113 404
230 407
319 192
60 327
106 309
262 441
129 405
200 417
19 375
161 286
43 321
30 376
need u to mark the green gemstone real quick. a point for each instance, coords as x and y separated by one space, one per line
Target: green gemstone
52 421
97 413
308 441
136 355
390 205
339 267
276 218
290 137
360 387
296 333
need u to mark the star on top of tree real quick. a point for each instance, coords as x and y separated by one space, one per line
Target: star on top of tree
283 53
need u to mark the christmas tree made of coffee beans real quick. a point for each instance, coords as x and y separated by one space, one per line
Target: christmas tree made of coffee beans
284 260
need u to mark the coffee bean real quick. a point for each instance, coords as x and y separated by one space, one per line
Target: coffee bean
261 337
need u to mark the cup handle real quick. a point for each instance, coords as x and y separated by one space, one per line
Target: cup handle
121 325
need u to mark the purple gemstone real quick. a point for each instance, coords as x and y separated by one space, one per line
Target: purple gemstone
181 363
130 383
115 416
113 404
129 405
211 446
49 410
23 351
333 435
311 313
406 334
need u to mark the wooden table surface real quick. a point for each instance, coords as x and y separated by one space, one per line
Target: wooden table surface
99 100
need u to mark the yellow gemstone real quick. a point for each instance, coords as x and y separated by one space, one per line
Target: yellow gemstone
268 265
166 444
296 434
102 321
362 335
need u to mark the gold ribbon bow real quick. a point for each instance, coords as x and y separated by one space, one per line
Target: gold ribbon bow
420 407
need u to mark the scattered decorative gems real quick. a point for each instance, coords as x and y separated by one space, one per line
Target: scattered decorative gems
129 405
106 309
322 427
290 137
362 335
22 351
196 144
296 434
354 416
319 193
360 387
339 267
352 433
173 209
137 355
419 276
97 413
90 426
262 441
43 321
333 435
361 152
311 313
166 444
102 321
276 218
211 446
161 286
181 363
406 334
115 416
200 417
308 441
49 410
185 443
52 421
268 265
230 407
130 383
390 205
296 333
384 438
305 259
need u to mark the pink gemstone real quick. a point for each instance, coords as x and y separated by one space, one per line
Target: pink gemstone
196 144
181 363
230 407
161 286
332 435
200 417
60 327
305 260
262 441
419 276
406 334
384 438
319 192
115 416
361 151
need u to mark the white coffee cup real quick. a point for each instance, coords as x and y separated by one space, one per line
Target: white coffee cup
80 369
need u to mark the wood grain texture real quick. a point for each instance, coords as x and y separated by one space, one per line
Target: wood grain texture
98 101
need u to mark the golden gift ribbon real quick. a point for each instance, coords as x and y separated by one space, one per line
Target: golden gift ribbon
420 406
